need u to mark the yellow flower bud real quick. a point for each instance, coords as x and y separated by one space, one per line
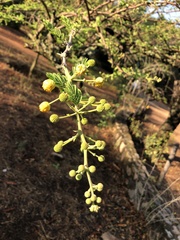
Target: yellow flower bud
100 187
99 200
91 100
63 97
92 169
80 69
99 82
54 118
90 62
101 158
78 177
58 147
93 198
44 106
100 108
94 208
87 194
98 143
81 168
72 173
48 85
88 201
84 121
103 101
103 144
107 106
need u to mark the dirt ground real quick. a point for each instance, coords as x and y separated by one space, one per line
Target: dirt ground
37 198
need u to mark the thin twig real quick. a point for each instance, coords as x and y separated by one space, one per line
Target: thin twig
139 202
46 8
159 195
67 49
166 204
102 5
88 10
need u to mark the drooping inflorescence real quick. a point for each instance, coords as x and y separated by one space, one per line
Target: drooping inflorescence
79 106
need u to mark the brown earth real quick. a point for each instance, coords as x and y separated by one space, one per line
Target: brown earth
37 198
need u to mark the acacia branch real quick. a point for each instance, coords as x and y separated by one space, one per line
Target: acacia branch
46 8
67 49
111 14
88 10
101 5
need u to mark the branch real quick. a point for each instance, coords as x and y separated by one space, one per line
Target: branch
67 49
111 14
101 5
88 10
46 8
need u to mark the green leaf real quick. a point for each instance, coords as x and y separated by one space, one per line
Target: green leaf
74 94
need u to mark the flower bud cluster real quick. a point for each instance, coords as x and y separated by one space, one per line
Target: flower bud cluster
81 170
100 145
79 173
92 199
72 96
82 67
103 105
94 208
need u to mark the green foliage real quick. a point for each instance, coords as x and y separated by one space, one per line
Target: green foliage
106 118
155 146
126 30
136 128
145 81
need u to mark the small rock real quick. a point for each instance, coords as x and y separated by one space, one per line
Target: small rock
108 236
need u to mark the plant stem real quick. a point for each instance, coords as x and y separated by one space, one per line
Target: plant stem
54 101
68 115
85 153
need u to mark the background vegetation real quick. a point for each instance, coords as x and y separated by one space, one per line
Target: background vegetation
124 37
